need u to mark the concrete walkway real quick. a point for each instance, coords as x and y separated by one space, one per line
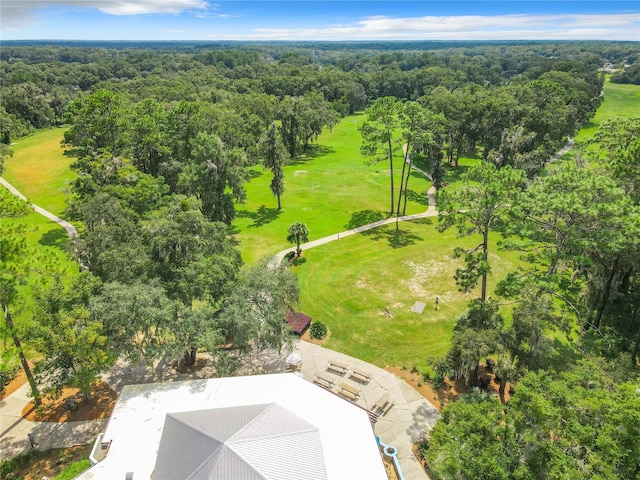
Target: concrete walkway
14 428
71 230
410 417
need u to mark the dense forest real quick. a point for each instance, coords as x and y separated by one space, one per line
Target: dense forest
162 138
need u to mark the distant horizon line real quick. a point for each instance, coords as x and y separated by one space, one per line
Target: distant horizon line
417 40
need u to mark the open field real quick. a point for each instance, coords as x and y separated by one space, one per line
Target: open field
348 284
40 171
330 190
620 100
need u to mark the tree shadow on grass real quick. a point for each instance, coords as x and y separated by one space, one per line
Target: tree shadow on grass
251 174
422 198
422 163
454 174
395 235
56 237
297 261
311 153
260 217
563 356
364 217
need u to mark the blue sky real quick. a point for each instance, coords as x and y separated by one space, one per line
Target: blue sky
319 20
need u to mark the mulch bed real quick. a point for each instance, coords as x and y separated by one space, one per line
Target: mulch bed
57 409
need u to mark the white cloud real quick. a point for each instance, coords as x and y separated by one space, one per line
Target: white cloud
138 7
477 27
20 13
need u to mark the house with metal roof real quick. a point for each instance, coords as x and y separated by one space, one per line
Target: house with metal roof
262 427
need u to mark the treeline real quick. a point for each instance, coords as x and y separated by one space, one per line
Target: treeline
576 228
630 74
162 140
39 82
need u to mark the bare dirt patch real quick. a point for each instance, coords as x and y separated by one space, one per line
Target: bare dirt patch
438 397
15 383
306 336
62 409
50 463
388 466
443 395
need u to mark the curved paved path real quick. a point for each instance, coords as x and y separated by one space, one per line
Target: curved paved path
402 426
14 428
430 212
71 230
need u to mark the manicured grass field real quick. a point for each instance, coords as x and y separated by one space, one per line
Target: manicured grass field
330 190
347 284
620 100
40 171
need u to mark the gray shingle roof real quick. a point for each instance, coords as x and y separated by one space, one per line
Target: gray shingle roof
252 442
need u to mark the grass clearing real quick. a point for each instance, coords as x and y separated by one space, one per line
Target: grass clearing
620 100
330 190
40 171
347 285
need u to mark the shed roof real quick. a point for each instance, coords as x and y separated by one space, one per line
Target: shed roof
298 321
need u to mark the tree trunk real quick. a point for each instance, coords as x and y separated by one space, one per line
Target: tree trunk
23 359
485 257
501 390
279 203
406 187
404 167
391 168
636 345
606 294
624 283
190 356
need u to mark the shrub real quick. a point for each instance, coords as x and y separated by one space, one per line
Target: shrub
7 372
441 368
318 330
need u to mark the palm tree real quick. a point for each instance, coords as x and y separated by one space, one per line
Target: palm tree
298 233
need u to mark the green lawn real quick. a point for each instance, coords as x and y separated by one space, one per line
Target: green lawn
347 284
39 170
330 190
620 100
